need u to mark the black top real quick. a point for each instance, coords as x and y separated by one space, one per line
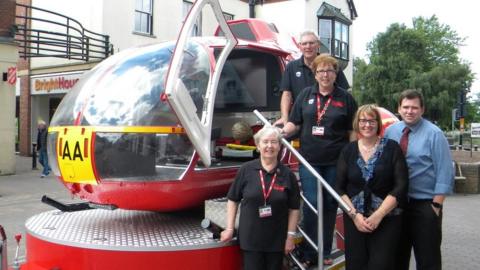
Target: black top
42 139
264 234
390 176
297 76
337 122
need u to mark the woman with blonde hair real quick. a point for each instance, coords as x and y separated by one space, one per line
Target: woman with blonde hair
372 178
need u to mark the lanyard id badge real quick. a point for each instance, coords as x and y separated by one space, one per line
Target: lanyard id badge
266 210
318 131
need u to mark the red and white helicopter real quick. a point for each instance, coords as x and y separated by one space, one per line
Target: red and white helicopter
143 129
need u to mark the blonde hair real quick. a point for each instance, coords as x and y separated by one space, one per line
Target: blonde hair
370 110
324 58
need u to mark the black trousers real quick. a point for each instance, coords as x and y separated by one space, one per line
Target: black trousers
258 260
372 251
422 230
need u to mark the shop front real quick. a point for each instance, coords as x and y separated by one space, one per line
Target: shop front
47 91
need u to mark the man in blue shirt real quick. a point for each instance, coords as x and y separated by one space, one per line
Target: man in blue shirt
431 178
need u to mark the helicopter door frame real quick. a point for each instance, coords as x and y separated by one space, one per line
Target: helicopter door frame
198 130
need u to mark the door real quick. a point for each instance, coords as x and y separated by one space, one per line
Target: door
191 94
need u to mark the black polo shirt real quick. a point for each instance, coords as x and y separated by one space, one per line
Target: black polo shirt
264 234
337 122
297 76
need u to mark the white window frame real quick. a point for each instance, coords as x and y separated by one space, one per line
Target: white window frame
140 26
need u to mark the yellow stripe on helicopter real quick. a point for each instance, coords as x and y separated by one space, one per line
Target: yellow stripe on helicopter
74 148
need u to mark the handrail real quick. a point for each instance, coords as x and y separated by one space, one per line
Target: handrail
321 182
302 160
70 39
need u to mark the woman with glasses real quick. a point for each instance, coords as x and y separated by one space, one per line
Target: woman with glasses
323 114
270 198
372 178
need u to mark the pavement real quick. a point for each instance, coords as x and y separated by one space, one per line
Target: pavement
20 196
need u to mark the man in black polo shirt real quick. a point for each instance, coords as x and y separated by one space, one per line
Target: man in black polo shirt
298 74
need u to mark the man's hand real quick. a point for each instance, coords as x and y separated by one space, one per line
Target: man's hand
280 122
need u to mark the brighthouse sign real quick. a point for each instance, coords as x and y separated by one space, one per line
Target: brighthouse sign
59 83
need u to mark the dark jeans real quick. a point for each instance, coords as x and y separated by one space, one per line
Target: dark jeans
422 230
43 159
309 188
258 260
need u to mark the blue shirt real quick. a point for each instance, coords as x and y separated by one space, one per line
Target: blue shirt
428 157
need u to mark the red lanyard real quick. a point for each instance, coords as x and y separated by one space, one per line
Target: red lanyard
267 194
320 114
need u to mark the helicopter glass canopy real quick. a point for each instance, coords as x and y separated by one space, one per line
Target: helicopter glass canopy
125 90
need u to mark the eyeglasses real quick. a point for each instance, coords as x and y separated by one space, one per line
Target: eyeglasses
311 43
327 71
372 122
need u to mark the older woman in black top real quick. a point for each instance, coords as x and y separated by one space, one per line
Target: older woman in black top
270 199
372 178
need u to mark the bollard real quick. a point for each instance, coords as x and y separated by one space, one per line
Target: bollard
34 156
16 263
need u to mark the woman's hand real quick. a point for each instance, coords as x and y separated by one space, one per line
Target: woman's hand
226 235
361 223
374 220
289 244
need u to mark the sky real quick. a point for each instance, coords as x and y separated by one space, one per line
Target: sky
374 16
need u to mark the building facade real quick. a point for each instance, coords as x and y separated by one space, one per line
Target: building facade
129 23
8 58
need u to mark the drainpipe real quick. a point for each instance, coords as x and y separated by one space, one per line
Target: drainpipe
251 8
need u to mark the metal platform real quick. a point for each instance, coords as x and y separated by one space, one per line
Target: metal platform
121 230
124 239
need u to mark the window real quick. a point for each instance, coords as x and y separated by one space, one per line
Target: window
325 35
341 40
144 16
228 16
249 80
333 31
197 28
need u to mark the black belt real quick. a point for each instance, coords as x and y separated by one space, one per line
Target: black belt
413 200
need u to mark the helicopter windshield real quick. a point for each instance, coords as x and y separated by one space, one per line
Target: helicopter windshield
125 90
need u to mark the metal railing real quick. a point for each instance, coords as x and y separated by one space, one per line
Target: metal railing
50 34
320 183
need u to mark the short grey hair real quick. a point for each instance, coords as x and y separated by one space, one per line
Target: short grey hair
266 131
309 33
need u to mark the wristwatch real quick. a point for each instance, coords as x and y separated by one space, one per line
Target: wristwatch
437 205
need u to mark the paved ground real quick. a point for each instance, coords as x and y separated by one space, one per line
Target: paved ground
20 199
466 156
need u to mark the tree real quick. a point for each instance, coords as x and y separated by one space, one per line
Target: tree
423 57
473 110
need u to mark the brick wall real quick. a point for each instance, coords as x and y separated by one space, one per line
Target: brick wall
7 17
25 117
471 171
23 66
